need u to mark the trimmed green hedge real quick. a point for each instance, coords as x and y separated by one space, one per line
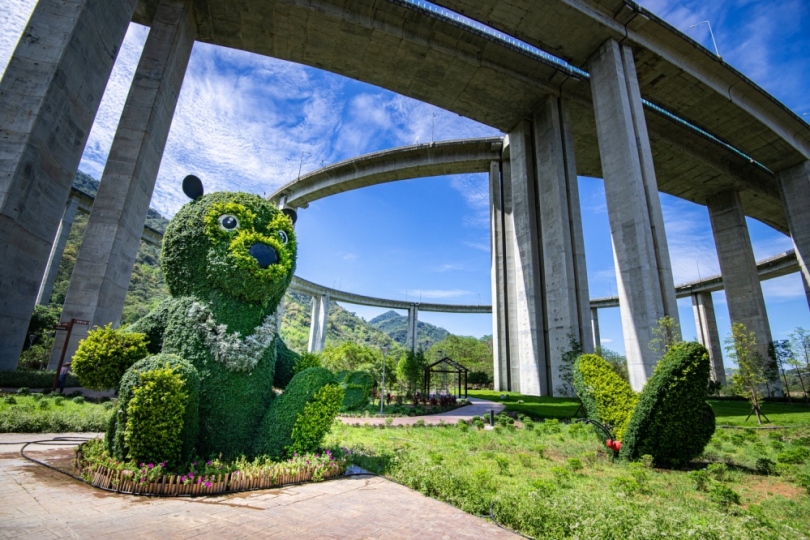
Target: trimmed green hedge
672 421
275 434
315 421
607 398
33 379
106 354
189 419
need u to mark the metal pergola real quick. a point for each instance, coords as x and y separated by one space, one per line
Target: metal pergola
447 366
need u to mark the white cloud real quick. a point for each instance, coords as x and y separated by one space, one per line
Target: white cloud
605 340
348 256
482 246
14 15
783 288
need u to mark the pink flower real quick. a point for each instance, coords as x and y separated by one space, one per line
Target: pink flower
208 462
163 464
150 465
191 475
207 484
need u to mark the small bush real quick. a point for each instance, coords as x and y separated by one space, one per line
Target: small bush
724 496
574 464
306 360
10 400
23 391
58 400
607 398
672 420
44 404
419 423
550 426
541 450
155 417
105 355
314 422
794 455
701 479
503 464
78 400
718 470
766 466
108 405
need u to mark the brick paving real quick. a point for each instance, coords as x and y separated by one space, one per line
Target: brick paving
477 407
36 502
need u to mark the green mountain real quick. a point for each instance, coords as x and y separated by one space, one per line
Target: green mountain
396 326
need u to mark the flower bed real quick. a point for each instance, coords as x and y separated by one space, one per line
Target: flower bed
214 476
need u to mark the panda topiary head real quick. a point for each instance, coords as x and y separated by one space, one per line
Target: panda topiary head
235 244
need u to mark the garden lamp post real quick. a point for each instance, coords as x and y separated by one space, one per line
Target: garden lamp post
382 386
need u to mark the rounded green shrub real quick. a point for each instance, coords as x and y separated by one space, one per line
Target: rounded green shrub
672 421
104 356
9 400
316 420
78 400
183 425
607 398
357 387
276 432
305 361
155 417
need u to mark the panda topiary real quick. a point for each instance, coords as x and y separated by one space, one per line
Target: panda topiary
227 259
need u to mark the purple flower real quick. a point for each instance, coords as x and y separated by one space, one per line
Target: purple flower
207 484
235 472
194 464
208 462
316 455
191 475
150 465
163 464
295 453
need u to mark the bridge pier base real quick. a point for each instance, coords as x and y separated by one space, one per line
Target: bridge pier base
58 248
100 279
50 91
644 274
746 304
794 185
707 334
318 323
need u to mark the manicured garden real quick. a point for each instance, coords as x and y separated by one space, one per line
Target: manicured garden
52 413
557 480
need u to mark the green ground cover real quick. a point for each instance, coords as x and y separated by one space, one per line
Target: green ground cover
534 406
45 414
726 412
555 481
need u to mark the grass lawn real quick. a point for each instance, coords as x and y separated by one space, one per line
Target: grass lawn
44 414
726 412
555 481
534 406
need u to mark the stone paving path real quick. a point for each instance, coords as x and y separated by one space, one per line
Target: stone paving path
36 502
477 407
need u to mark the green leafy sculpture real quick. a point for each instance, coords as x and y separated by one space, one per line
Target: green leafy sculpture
228 259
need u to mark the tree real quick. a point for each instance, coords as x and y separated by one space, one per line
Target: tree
349 356
617 361
780 351
567 366
474 354
411 370
800 347
751 372
667 335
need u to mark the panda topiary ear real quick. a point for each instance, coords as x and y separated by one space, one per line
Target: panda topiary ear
192 187
292 214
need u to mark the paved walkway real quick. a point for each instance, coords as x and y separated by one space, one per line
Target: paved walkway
477 407
36 502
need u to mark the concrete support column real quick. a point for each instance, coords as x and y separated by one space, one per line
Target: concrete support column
49 96
707 334
597 338
413 328
58 248
644 274
530 369
565 275
738 266
100 279
794 185
318 323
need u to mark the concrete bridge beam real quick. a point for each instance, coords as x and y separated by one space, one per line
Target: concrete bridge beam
794 185
644 274
565 277
58 248
413 328
50 94
100 279
707 334
746 304
318 323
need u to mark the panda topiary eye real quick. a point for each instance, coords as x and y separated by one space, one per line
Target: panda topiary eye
228 222
283 236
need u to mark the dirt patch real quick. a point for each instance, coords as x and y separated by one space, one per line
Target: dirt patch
769 487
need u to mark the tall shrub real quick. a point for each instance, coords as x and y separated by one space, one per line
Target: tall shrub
752 368
672 421
105 355
607 398
314 422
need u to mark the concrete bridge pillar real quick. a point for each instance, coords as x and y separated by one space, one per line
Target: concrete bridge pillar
707 334
746 304
413 328
58 248
597 338
49 96
319 323
565 277
794 185
644 274
98 285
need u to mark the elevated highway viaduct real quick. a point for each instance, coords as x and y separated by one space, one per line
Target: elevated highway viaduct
625 97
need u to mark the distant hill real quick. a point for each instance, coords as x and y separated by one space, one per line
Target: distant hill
396 326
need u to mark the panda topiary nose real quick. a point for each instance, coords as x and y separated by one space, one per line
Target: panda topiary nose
264 255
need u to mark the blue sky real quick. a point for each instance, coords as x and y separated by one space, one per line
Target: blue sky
246 122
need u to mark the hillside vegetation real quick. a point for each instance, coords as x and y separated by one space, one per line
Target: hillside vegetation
396 326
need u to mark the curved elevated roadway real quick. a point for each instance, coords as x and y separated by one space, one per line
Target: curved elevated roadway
400 46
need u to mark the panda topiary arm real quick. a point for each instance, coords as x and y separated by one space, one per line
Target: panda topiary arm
285 364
